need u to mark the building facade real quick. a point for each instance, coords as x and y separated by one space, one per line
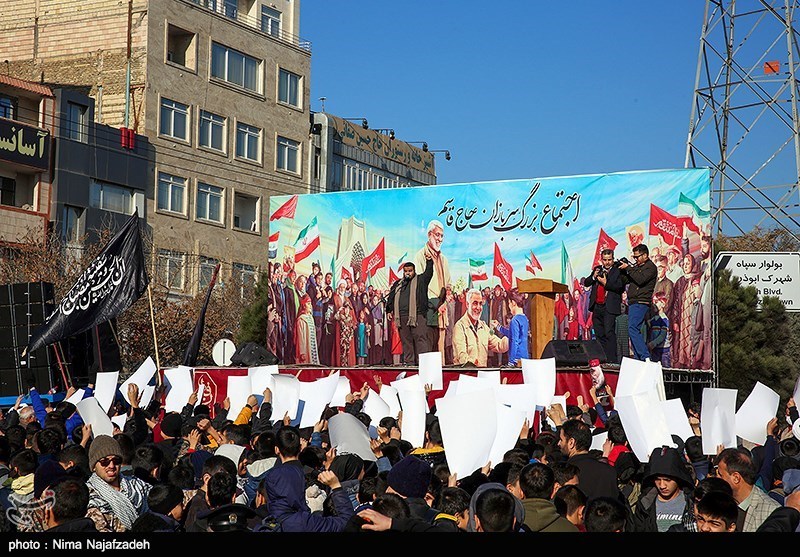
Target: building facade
27 122
219 88
347 156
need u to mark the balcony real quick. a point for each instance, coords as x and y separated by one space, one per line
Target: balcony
266 25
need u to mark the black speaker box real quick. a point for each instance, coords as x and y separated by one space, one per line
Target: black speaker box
574 352
252 354
6 318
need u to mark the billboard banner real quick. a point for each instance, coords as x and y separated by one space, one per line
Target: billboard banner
485 235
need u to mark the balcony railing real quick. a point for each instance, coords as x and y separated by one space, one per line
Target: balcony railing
264 26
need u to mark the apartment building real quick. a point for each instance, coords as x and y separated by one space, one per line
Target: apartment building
220 90
347 155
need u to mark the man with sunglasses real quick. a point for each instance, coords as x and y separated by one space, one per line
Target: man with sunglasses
115 501
641 277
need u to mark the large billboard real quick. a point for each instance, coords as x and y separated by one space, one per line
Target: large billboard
489 234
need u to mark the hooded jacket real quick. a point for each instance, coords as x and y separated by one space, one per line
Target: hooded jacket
541 516
286 501
663 462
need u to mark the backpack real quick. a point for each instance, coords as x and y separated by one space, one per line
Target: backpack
269 524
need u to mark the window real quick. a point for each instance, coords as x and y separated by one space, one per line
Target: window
245 212
231 8
209 202
181 47
207 266
71 225
171 193
289 88
76 122
248 142
114 198
7 107
288 151
8 191
234 67
171 265
174 118
246 276
270 21
212 131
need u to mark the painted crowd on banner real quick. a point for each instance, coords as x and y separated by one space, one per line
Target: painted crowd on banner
333 258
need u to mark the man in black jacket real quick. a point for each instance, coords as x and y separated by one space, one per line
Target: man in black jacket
605 302
409 311
641 277
595 478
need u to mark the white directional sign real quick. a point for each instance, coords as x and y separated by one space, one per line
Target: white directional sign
775 274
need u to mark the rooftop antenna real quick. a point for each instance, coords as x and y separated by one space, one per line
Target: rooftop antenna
322 100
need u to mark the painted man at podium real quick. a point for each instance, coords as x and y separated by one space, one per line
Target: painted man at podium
472 338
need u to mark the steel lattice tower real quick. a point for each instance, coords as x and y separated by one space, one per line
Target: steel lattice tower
744 117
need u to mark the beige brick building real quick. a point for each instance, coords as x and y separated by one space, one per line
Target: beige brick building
219 87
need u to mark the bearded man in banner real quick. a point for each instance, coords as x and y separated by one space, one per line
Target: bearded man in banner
472 337
441 277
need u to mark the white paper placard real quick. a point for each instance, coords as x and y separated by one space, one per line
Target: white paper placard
599 440
239 390
430 369
285 397
755 413
92 414
76 397
718 419
520 396
415 408
376 408
509 424
409 383
476 413
261 378
392 400
493 374
645 425
342 390
105 388
677 420
181 388
349 435
119 420
541 373
316 395
141 377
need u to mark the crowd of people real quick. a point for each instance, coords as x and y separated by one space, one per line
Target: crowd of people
197 471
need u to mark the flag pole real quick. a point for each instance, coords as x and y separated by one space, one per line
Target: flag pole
155 339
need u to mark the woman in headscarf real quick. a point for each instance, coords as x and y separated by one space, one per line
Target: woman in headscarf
305 333
680 318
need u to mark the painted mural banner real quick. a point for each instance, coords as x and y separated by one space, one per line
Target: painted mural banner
331 248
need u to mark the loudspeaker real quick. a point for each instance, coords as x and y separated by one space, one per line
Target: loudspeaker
574 352
252 354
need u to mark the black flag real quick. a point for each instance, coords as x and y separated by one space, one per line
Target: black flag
190 356
114 280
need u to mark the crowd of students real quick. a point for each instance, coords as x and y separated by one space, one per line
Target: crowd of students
197 471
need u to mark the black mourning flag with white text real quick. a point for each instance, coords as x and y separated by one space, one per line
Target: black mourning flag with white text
114 280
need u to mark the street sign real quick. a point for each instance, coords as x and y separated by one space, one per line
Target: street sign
775 274
222 352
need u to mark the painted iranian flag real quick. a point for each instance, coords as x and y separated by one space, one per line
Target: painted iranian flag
307 241
477 270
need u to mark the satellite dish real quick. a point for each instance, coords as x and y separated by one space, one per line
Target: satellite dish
222 352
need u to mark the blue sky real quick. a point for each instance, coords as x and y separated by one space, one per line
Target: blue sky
534 89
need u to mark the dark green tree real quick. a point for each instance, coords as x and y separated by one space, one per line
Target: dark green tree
253 326
753 344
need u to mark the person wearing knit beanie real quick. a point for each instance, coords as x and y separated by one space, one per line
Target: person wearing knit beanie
103 446
410 477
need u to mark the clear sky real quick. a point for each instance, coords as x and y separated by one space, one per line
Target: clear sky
514 89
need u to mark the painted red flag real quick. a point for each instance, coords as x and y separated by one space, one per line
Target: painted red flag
502 269
665 225
346 274
286 210
604 241
374 261
533 264
392 277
